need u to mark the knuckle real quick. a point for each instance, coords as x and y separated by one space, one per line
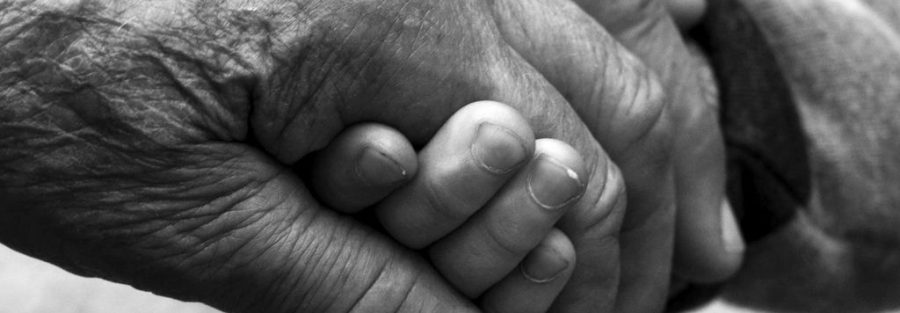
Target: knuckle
646 116
641 136
442 195
507 237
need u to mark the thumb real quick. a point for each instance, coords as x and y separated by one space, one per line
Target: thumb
278 250
295 256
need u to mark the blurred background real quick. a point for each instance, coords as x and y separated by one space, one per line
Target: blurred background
28 285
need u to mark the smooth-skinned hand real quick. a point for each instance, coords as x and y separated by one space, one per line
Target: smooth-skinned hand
499 191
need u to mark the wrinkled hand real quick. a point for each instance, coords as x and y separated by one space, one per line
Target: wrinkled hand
678 160
147 142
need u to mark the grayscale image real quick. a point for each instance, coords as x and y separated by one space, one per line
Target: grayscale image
438 156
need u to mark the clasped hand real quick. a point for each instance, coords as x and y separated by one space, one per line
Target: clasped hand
155 143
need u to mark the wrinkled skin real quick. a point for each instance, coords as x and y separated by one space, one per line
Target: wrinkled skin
810 93
701 251
695 180
149 142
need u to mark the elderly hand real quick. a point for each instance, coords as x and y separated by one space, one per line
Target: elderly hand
148 142
708 245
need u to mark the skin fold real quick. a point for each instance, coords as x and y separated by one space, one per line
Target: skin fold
500 198
151 143
704 251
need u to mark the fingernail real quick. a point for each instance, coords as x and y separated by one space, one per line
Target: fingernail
553 185
497 149
732 240
543 265
377 169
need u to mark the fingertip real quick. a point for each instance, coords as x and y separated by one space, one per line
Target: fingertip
542 275
498 150
377 168
471 157
493 242
553 185
552 259
503 115
387 159
559 177
565 154
710 259
361 166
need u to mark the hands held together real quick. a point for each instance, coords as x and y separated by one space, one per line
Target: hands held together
158 143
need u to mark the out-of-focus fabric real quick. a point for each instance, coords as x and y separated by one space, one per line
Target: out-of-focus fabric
810 94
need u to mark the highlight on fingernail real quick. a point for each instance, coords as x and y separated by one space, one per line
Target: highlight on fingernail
378 169
553 185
